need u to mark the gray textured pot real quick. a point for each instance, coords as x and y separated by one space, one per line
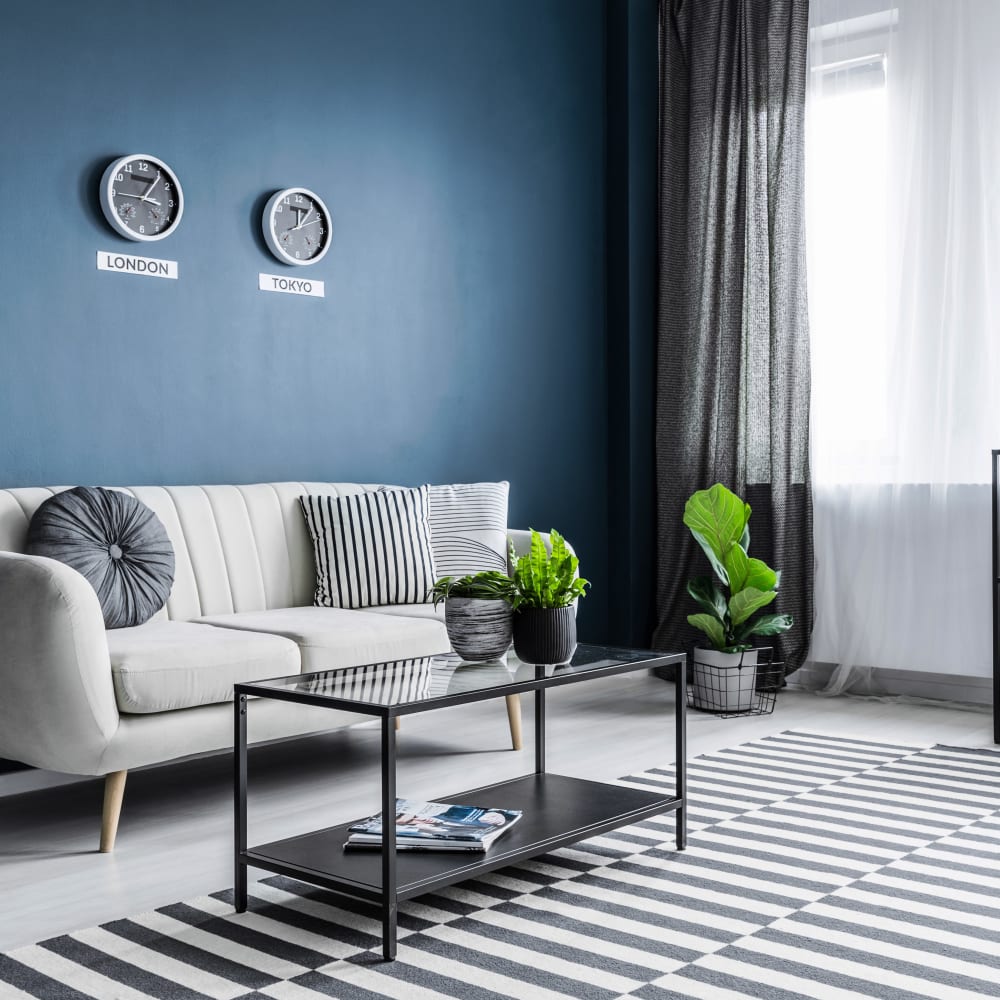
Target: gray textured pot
478 629
545 635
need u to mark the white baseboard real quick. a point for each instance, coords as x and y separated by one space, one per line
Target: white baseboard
880 681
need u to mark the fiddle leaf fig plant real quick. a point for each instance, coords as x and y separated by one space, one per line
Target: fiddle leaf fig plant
743 586
543 579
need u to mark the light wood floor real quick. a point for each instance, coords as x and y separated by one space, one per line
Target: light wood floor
176 828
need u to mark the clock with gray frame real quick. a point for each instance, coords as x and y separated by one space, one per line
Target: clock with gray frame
141 197
297 226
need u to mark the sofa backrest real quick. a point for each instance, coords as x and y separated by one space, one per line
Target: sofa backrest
237 548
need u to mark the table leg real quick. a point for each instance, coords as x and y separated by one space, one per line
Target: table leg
539 731
240 800
388 839
680 734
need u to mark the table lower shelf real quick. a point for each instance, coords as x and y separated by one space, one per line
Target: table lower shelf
558 810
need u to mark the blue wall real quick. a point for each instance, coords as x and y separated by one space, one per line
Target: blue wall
460 147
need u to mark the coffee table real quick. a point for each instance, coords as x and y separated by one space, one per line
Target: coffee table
558 810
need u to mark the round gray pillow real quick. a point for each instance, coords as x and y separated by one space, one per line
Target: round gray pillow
116 542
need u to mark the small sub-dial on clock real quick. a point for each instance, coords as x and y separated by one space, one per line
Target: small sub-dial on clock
156 215
127 210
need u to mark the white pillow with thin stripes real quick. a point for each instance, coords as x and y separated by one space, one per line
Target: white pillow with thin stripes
371 548
468 523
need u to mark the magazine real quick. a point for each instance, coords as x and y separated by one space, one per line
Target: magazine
437 825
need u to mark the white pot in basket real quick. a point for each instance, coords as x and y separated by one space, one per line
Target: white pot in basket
724 682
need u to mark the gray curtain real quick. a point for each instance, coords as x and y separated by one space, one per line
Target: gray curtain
733 344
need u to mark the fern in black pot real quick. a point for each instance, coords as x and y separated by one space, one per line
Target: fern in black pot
546 588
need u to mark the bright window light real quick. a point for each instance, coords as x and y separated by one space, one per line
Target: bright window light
846 230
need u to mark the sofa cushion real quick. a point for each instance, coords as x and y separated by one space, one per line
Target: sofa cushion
116 542
164 665
410 611
468 523
335 637
372 548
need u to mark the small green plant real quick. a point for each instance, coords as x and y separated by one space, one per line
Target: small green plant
487 586
719 521
543 579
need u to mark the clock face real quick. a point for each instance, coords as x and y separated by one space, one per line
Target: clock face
141 197
297 226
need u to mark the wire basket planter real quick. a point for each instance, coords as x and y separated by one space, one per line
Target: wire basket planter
728 687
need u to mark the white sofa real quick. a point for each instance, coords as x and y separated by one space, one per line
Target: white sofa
79 699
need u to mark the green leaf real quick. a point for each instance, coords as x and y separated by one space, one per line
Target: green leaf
544 578
748 601
746 572
737 566
711 627
717 518
760 576
708 595
717 564
771 625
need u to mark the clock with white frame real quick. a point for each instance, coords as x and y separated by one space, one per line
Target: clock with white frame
297 226
141 197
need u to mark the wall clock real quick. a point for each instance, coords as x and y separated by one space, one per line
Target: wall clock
297 226
141 197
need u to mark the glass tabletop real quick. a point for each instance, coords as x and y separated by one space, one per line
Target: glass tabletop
446 677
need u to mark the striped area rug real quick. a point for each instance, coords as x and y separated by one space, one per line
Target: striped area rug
818 867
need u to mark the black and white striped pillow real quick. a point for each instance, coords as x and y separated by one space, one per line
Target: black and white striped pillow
372 548
468 523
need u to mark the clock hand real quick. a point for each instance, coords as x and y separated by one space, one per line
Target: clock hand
301 224
146 193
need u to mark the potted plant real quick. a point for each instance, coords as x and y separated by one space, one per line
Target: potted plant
546 587
732 602
477 613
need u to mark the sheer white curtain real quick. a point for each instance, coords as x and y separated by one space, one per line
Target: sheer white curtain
903 222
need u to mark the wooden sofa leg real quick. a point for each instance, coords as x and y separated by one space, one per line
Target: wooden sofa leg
114 790
514 718
398 721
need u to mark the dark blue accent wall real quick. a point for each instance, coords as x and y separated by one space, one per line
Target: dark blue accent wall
632 75
460 145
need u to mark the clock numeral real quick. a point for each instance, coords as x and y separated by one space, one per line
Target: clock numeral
143 166
142 229
279 208
120 178
128 168
166 187
298 199
288 201
298 254
170 203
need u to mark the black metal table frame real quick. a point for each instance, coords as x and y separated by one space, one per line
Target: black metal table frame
388 896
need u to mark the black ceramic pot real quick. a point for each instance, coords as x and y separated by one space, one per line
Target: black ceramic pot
545 635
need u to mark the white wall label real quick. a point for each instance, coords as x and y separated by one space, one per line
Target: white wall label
293 286
128 264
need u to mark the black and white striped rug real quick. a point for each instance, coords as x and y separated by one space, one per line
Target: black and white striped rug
818 866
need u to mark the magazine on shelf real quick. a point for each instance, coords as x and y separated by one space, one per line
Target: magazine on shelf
437 826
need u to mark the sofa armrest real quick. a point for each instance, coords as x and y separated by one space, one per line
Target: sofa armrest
57 700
